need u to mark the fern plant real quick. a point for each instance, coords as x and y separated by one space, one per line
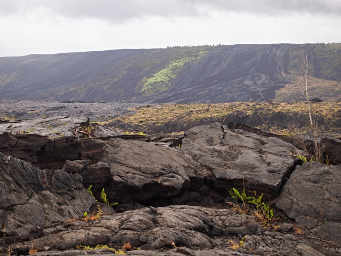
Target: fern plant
264 208
267 211
243 197
256 201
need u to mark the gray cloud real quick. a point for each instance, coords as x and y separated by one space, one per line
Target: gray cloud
277 6
50 26
121 10
8 7
104 9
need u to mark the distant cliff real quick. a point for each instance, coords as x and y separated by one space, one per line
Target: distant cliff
179 74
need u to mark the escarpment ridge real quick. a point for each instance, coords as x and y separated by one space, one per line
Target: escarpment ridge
201 74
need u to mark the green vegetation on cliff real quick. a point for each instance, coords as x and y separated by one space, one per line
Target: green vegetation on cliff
161 81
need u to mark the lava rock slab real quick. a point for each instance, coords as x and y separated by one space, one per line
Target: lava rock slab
312 197
239 156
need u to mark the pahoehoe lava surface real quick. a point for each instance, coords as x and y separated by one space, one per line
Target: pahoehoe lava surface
171 200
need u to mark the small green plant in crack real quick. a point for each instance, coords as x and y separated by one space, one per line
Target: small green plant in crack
236 195
302 158
267 211
256 201
263 209
90 191
105 200
103 196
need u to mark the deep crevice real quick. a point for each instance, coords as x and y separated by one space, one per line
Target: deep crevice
287 175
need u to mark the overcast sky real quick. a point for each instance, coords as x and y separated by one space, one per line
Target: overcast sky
51 26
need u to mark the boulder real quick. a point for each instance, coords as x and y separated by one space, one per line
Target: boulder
312 197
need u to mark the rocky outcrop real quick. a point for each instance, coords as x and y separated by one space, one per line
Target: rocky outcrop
312 197
165 200
210 160
32 200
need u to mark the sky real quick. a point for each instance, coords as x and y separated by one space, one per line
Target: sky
53 26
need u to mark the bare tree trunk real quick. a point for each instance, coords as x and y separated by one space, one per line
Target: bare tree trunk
313 127
306 90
